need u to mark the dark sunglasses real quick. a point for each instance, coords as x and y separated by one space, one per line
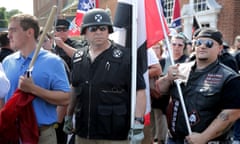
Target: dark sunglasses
95 28
61 29
207 43
177 44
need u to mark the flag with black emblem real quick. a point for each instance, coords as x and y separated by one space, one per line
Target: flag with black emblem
149 31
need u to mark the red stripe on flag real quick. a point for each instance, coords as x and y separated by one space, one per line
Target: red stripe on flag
83 6
79 16
154 27
176 16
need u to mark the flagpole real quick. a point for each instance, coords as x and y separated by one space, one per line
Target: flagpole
191 3
55 24
134 61
172 61
48 25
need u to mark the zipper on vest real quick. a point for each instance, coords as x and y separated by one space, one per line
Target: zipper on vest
89 111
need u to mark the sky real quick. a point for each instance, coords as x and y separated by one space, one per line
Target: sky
25 6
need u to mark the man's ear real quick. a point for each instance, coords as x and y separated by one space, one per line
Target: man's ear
220 49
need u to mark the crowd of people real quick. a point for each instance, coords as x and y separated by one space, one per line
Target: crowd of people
82 88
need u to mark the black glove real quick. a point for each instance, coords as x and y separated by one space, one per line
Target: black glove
68 125
136 134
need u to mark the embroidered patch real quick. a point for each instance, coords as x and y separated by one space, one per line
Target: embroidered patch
117 53
194 118
78 56
213 78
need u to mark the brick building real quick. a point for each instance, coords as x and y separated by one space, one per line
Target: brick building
221 14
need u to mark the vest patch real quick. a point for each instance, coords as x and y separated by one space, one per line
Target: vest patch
117 53
194 118
78 56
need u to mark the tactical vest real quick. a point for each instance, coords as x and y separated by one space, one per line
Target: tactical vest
202 97
103 87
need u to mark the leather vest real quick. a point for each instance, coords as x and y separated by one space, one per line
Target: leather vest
103 87
202 97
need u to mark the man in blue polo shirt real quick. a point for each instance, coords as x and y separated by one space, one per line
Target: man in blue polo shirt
48 82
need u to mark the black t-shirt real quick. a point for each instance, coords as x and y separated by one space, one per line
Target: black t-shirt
231 94
5 52
229 60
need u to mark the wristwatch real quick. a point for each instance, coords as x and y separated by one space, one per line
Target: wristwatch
139 119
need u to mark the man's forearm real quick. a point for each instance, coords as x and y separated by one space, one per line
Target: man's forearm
221 124
140 103
72 104
163 85
69 50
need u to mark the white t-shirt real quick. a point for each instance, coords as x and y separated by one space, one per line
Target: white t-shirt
152 59
4 83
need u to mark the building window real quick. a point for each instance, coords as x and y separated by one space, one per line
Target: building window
200 5
168 9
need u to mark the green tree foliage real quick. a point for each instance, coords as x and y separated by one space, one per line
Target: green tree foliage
5 15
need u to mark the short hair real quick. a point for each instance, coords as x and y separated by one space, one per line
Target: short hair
4 41
180 36
27 21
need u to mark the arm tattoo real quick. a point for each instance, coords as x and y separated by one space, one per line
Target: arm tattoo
223 116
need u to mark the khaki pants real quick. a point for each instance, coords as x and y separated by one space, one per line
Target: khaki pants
79 140
48 136
159 124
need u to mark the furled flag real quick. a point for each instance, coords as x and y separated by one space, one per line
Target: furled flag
149 31
176 15
196 24
18 121
83 7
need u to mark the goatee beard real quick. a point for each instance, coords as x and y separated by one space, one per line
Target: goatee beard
202 59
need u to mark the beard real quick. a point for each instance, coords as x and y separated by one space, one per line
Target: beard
202 59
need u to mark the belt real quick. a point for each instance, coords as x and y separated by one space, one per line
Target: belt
182 141
221 142
45 127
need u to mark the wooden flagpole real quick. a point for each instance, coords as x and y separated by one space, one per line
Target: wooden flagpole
45 30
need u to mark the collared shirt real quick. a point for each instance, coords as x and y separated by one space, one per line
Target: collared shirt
48 72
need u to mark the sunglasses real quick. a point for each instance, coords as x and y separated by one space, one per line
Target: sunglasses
95 28
59 29
207 43
177 44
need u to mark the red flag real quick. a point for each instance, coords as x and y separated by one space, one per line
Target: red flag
83 7
18 121
154 27
176 15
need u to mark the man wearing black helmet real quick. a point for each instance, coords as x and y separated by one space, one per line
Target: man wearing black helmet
101 86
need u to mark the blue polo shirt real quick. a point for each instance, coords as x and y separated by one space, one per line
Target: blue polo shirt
48 72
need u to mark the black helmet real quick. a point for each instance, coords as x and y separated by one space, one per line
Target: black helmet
96 17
